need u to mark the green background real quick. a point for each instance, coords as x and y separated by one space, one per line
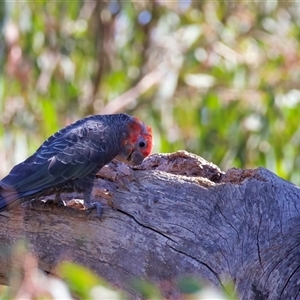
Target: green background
220 79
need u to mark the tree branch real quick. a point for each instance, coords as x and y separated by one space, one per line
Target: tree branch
174 215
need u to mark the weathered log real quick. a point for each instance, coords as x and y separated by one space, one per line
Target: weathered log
174 215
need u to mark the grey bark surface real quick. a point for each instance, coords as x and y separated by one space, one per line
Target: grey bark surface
174 215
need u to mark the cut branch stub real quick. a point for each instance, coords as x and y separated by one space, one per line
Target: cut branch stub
182 163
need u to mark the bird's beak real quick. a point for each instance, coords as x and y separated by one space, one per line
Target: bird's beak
134 158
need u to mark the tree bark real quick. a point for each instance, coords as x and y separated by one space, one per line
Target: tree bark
174 215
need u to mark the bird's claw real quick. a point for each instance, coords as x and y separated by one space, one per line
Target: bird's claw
94 205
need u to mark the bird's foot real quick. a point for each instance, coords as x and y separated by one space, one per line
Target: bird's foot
94 205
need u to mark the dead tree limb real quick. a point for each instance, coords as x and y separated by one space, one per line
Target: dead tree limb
174 215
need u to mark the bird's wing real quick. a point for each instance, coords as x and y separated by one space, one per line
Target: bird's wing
67 155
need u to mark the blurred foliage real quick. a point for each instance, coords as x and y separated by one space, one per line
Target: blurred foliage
217 78
85 284
27 281
73 281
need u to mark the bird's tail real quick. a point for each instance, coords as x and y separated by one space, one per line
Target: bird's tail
9 198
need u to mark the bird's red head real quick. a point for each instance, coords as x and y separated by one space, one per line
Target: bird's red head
138 143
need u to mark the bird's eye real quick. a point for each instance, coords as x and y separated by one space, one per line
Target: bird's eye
142 144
